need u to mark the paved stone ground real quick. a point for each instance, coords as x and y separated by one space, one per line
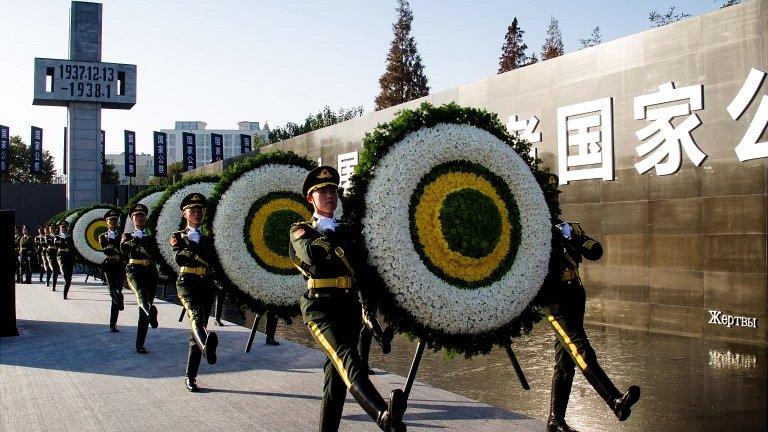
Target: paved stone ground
67 372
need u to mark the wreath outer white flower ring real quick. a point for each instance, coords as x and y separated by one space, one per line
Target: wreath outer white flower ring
149 201
169 218
433 302
79 232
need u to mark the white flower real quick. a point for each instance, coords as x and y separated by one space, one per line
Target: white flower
434 302
169 218
149 201
79 239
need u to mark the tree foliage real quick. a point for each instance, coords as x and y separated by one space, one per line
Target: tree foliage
670 16
173 170
513 54
594 39
404 78
109 174
727 3
326 117
553 44
18 164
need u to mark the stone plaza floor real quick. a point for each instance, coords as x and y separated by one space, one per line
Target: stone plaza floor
67 372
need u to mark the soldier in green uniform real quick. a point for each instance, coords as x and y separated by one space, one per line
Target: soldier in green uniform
26 254
140 249
194 285
40 252
17 253
52 267
332 309
566 306
113 266
65 254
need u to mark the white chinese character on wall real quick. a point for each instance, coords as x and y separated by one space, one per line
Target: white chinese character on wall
663 140
346 165
749 148
585 141
525 129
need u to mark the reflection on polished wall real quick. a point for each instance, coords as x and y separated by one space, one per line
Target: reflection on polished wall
678 245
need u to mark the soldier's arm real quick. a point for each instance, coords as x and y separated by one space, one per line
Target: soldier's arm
126 244
589 248
308 244
181 254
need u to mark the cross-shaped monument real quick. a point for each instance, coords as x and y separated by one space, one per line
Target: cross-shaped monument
84 85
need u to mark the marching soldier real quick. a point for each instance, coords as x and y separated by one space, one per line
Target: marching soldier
113 267
331 307
140 249
195 286
564 312
40 252
17 253
50 256
26 252
65 254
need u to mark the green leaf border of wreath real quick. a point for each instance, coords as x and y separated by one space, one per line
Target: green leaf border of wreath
166 272
143 194
94 268
230 174
58 217
376 144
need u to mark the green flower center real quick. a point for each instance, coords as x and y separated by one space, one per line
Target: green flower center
276 228
471 223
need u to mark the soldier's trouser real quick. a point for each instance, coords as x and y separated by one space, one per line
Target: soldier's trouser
573 349
18 270
221 295
271 326
343 369
198 310
54 265
67 266
143 284
364 346
26 269
114 278
41 265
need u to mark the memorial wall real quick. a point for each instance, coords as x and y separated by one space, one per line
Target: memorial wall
659 142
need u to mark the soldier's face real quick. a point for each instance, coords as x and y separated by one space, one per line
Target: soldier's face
25 231
193 216
325 200
112 223
63 229
139 220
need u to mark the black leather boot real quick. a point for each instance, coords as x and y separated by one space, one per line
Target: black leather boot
193 364
561 391
206 343
619 403
330 417
388 417
623 404
141 332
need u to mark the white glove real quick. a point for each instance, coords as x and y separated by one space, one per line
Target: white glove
138 233
565 228
111 234
326 224
194 235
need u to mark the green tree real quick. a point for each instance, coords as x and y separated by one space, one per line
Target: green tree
326 117
18 164
404 78
109 174
173 170
727 3
670 16
594 39
513 53
257 141
553 44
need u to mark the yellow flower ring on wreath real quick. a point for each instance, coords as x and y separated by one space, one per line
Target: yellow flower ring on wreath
93 231
437 249
256 230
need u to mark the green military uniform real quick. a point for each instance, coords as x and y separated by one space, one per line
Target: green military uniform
52 270
565 314
40 252
65 256
26 254
196 289
140 250
114 270
17 254
331 308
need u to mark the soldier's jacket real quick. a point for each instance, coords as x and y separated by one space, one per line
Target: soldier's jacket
65 247
110 247
26 245
50 245
307 250
39 243
564 289
194 259
140 253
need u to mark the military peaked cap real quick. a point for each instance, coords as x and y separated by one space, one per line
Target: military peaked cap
138 208
112 213
192 200
64 222
320 177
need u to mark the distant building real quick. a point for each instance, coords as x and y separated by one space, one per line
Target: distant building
203 139
145 167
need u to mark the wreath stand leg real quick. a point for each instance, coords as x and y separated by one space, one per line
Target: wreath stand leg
253 333
516 366
414 368
181 316
87 274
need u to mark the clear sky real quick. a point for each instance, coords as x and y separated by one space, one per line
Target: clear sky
231 60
